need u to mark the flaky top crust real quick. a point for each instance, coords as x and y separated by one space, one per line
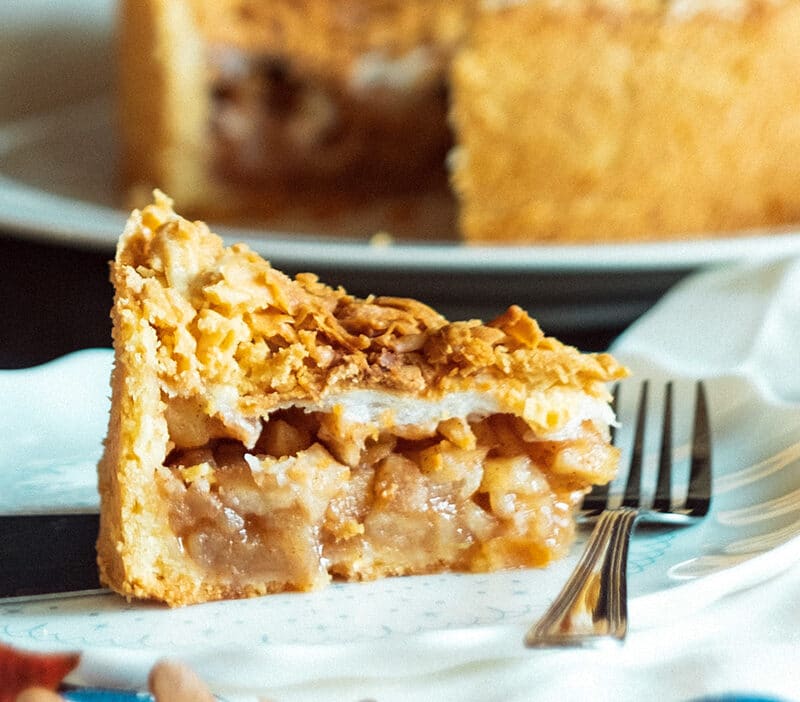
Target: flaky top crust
248 339
665 10
320 32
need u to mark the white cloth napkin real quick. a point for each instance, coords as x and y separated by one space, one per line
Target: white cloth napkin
747 643
742 320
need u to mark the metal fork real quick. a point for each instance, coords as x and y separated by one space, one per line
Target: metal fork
592 607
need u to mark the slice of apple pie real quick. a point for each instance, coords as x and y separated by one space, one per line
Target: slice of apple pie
268 433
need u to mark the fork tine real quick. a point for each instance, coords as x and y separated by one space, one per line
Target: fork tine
663 497
698 500
614 408
597 499
633 485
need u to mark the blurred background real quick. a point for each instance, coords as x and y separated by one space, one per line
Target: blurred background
61 212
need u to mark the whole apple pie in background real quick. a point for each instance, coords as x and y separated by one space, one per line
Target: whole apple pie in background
556 121
268 433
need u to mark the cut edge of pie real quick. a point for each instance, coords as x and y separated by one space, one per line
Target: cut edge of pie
267 433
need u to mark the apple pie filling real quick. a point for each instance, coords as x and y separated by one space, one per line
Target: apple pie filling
318 496
273 122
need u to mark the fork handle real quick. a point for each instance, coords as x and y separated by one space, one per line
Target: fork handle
592 608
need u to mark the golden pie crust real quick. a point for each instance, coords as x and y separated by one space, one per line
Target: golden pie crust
269 433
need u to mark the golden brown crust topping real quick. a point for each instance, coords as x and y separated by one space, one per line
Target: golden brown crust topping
526 171
322 33
667 10
225 318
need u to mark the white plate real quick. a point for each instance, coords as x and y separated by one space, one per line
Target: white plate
58 178
53 417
